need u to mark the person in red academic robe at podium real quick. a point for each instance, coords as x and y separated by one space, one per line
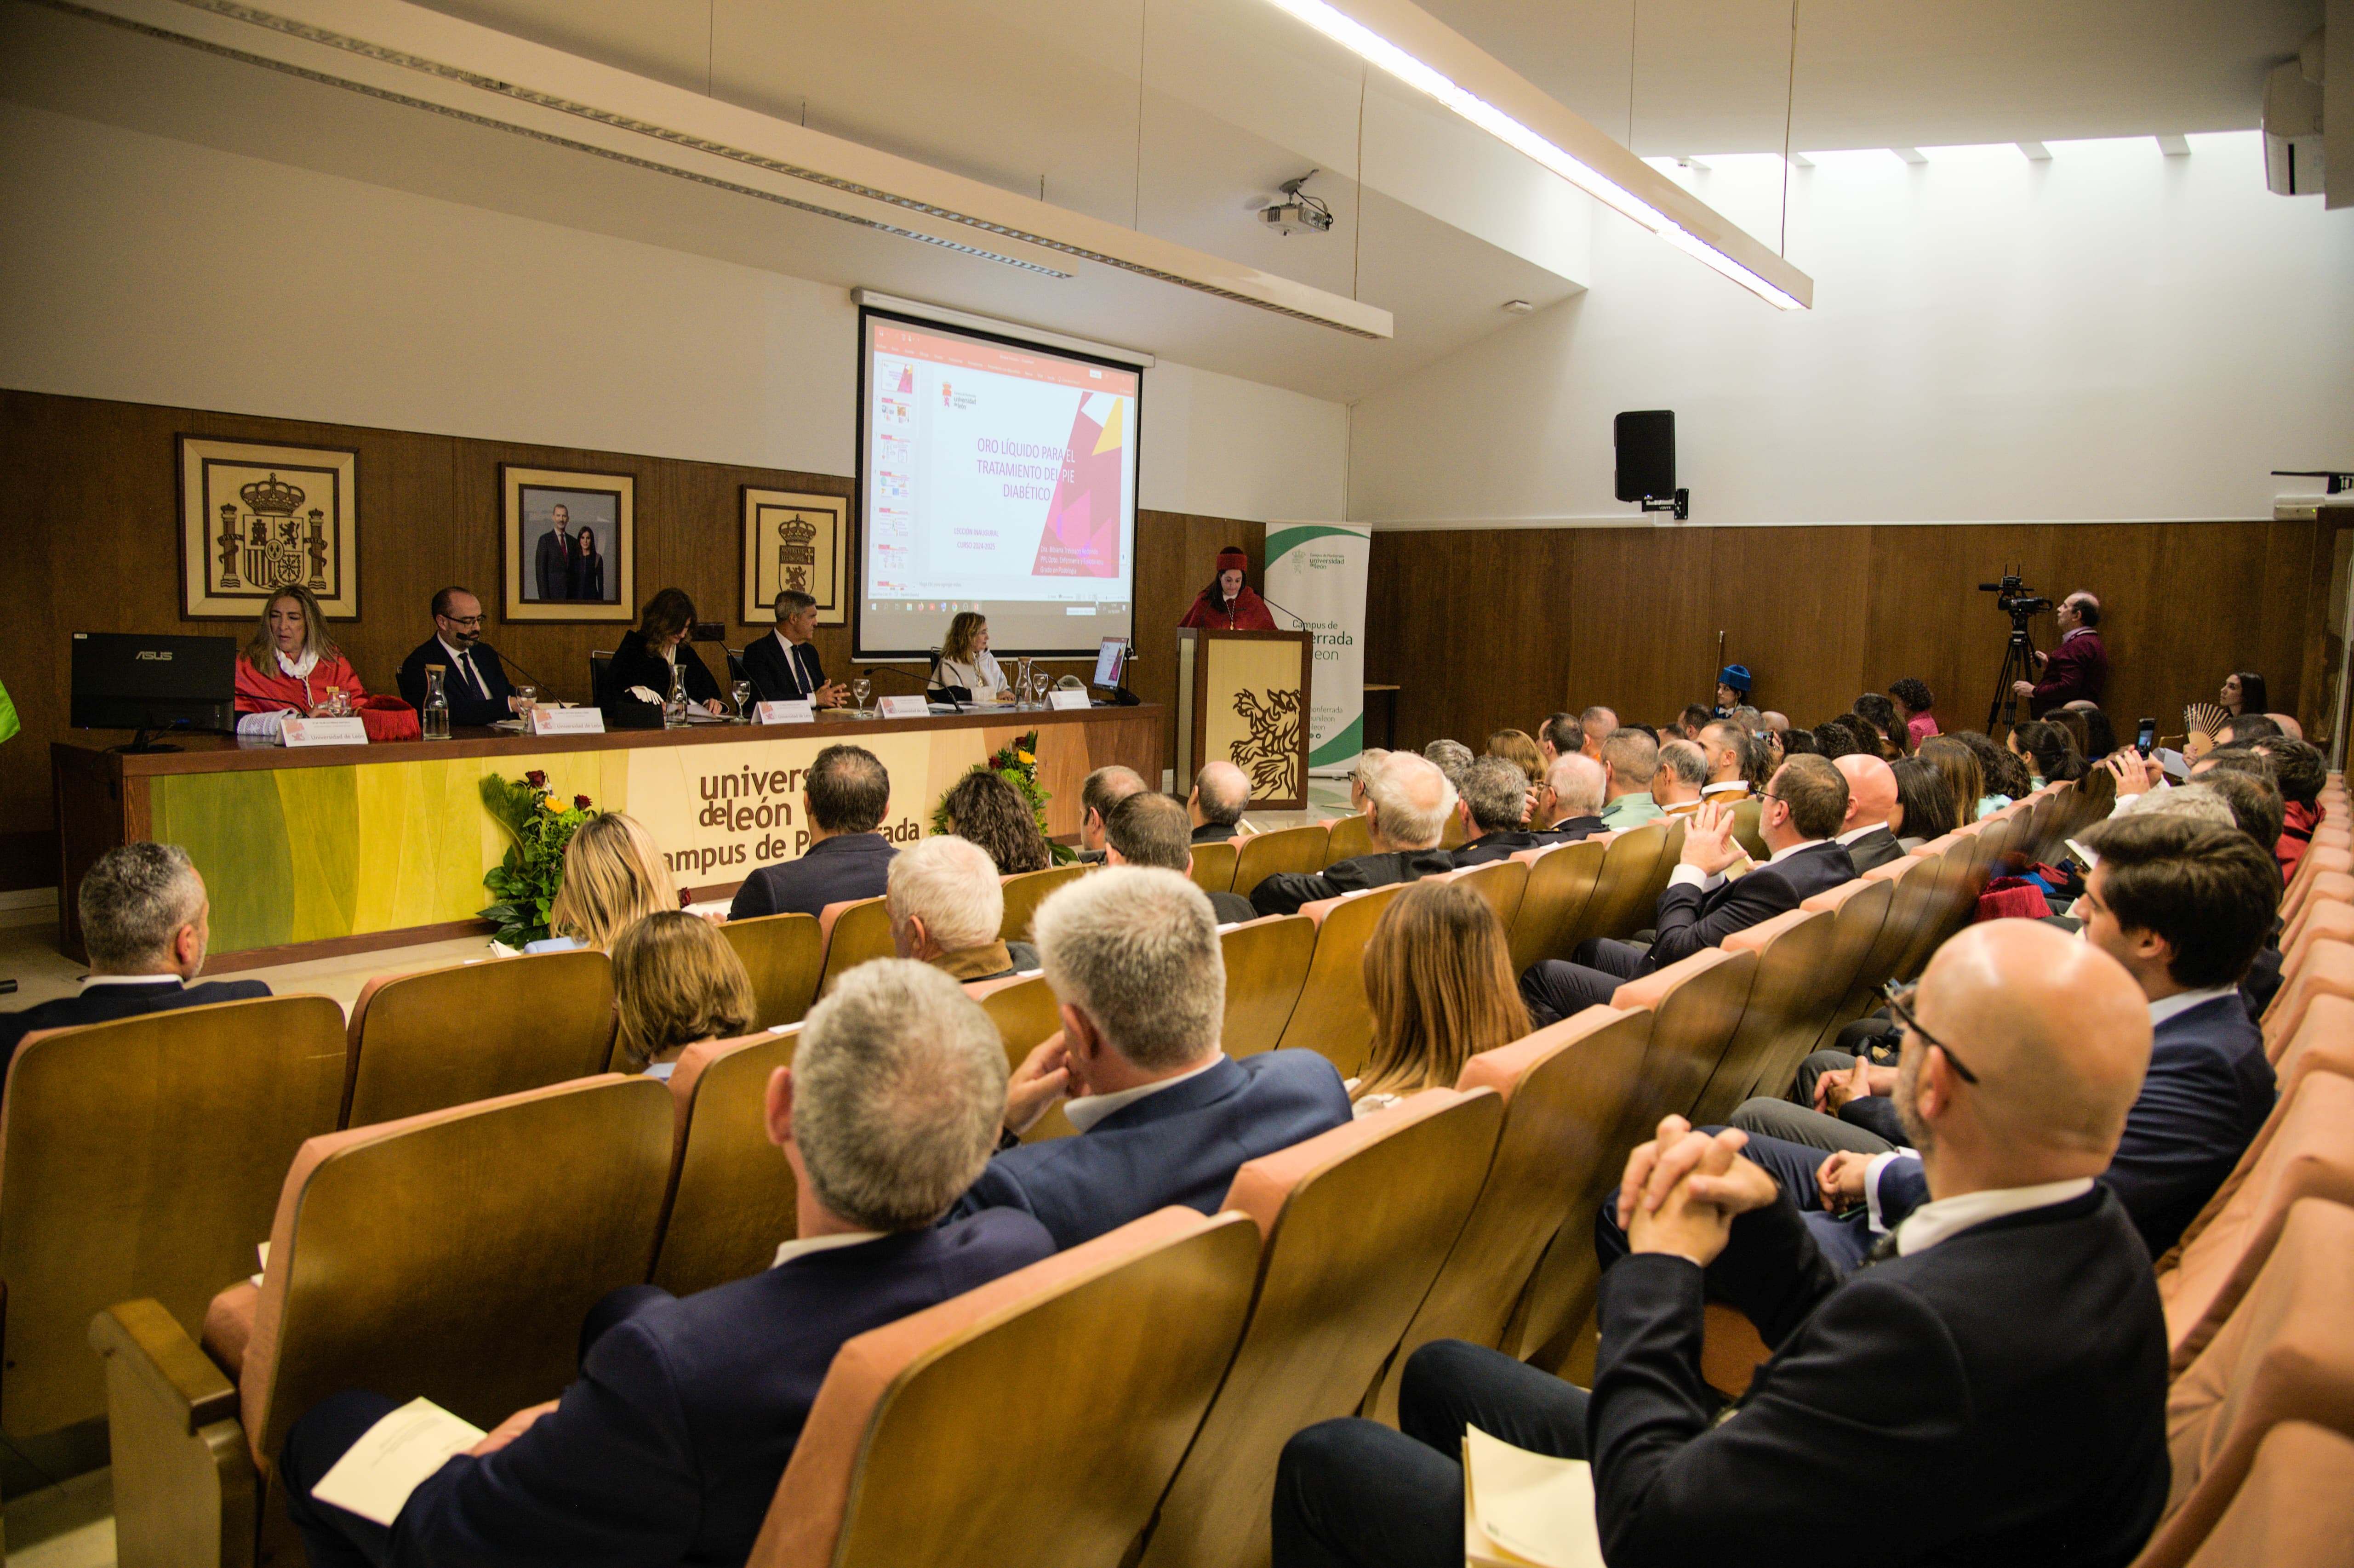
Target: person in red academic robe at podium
290 665
1226 603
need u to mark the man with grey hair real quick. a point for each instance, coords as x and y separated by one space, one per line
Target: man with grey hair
1165 1117
1407 807
1570 800
1104 788
1450 757
669 1445
1630 758
146 920
784 667
1680 775
946 904
1221 792
1494 803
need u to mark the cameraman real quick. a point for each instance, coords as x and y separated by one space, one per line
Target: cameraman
2076 670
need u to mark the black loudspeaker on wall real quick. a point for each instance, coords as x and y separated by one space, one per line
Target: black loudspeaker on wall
1645 444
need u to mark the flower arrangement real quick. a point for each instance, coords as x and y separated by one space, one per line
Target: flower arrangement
524 884
1016 762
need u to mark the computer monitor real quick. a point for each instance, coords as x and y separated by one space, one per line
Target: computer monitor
137 681
1111 661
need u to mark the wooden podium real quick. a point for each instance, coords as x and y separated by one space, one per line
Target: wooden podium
1242 697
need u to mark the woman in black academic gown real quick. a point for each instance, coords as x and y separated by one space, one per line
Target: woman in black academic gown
649 654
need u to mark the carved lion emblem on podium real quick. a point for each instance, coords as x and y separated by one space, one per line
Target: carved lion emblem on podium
1270 755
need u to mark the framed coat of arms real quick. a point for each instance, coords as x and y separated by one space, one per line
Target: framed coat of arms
257 518
797 542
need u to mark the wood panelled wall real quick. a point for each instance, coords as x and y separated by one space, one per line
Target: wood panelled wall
1491 629
89 494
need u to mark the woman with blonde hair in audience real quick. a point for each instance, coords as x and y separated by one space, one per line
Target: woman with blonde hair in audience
1518 748
677 983
983 808
614 874
1439 974
1957 765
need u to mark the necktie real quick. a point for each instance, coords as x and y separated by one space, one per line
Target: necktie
466 663
801 670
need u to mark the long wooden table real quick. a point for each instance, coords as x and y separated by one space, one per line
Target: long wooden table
319 851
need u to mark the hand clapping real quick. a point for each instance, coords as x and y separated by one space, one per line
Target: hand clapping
1709 844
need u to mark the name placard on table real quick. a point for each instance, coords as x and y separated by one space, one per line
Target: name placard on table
1066 700
567 721
797 711
903 707
348 731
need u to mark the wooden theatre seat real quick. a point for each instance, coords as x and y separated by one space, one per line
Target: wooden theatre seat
1266 965
1860 908
1262 855
2322 920
785 955
2330 889
1333 1014
2294 1510
1561 878
1350 837
142 1158
854 931
731 1191
1212 867
1617 907
2327 970
1357 1222
1027 1015
450 1254
1502 883
1784 1014
1696 1005
1025 891
470 1032
949 1436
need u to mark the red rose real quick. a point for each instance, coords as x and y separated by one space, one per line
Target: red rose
579 802
535 778
685 898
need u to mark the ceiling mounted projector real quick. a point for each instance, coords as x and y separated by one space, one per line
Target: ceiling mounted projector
1299 213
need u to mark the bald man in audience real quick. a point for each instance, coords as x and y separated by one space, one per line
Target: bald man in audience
1594 725
1629 758
947 903
1992 1392
1165 1117
1569 802
1150 830
1104 788
1408 803
1493 804
1871 797
1681 774
1221 792
669 1446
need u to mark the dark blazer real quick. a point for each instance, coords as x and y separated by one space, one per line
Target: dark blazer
1181 1145
2263 981
467 706
105 1003
1501 844
1214 832
1690 918
774 677
554 565
1231 908
831 871
1877 847
2077 671
669 1447
2004 1390
1286 891
2208 1089
635 664
587 573
1570 829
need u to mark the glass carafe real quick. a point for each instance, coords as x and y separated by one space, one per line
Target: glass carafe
674 705
1025 686
434 720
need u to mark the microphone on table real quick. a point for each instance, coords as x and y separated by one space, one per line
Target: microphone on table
947 692
1293 613
507 658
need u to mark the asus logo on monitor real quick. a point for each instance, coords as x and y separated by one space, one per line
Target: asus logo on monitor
160 656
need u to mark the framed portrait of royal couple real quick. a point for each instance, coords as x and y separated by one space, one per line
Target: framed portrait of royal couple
567 544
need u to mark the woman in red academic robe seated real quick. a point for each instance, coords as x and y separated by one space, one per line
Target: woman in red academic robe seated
289 665
1226 603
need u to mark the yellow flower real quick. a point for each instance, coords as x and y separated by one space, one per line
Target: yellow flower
1024 758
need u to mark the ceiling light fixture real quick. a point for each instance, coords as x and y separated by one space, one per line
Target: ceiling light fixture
1421 52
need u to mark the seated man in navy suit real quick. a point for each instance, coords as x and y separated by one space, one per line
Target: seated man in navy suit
146 920
784 666
1803 806
843 798
1408 803
1992 1392
472 678
669 1446
1569 802
1165 1117
1494 802
2183 905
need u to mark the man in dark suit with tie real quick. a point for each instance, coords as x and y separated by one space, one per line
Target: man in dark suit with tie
844 797
1803 805
146 920
1494 802
1569 802
1994 1391
1408 803
472 678
2183 905
784 667
669 1445
552 564
1871 796
1165 1117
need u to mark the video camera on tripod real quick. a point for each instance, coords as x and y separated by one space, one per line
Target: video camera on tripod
2016 601
2019 657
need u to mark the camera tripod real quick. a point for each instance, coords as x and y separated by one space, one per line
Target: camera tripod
2017 665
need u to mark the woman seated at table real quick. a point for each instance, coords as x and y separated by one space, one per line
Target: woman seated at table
677 983
986 810
966 660
657 647
614 875
289 665
1438 972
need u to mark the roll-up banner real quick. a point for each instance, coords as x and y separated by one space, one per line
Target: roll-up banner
1317 571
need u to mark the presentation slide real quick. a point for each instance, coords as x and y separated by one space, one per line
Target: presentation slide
993 475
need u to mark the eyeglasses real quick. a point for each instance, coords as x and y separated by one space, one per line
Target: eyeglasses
1900 1002
463 620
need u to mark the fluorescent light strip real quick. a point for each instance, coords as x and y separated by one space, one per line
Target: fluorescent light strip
1362 40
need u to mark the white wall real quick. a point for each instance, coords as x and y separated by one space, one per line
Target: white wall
2112 335
146 270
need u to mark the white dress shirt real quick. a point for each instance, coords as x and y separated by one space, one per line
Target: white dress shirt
461 659
1089 1110
793 1249
174 981
1933 1221
1852 834
1690 876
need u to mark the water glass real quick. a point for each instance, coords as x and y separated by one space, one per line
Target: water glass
743 695
526 699
860 690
